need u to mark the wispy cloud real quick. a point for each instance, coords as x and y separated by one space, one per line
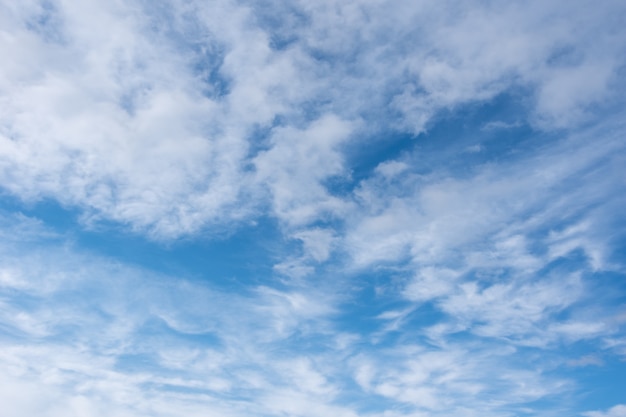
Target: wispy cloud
617 411
441 185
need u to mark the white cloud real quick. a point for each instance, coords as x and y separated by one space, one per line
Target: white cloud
317 243
498 124
431 283
431 218
109 336
296 166
513 309
617 411
178 345
113 321
153 127
175 118
452 379
125 132
483 249
113 124
586 360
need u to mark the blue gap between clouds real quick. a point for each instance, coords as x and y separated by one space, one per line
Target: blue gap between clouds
238 259
457 142
596 386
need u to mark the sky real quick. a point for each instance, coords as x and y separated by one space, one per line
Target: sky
356 208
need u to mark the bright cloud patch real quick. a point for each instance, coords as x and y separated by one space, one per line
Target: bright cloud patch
312 209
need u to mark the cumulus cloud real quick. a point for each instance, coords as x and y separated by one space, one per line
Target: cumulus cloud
306 158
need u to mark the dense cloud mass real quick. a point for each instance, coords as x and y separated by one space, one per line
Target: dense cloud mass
328 208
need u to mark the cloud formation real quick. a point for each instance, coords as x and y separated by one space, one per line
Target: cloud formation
425 200
158 126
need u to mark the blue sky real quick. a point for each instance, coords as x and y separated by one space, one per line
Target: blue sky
310 209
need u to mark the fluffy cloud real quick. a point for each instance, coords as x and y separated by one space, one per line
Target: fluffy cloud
154 126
